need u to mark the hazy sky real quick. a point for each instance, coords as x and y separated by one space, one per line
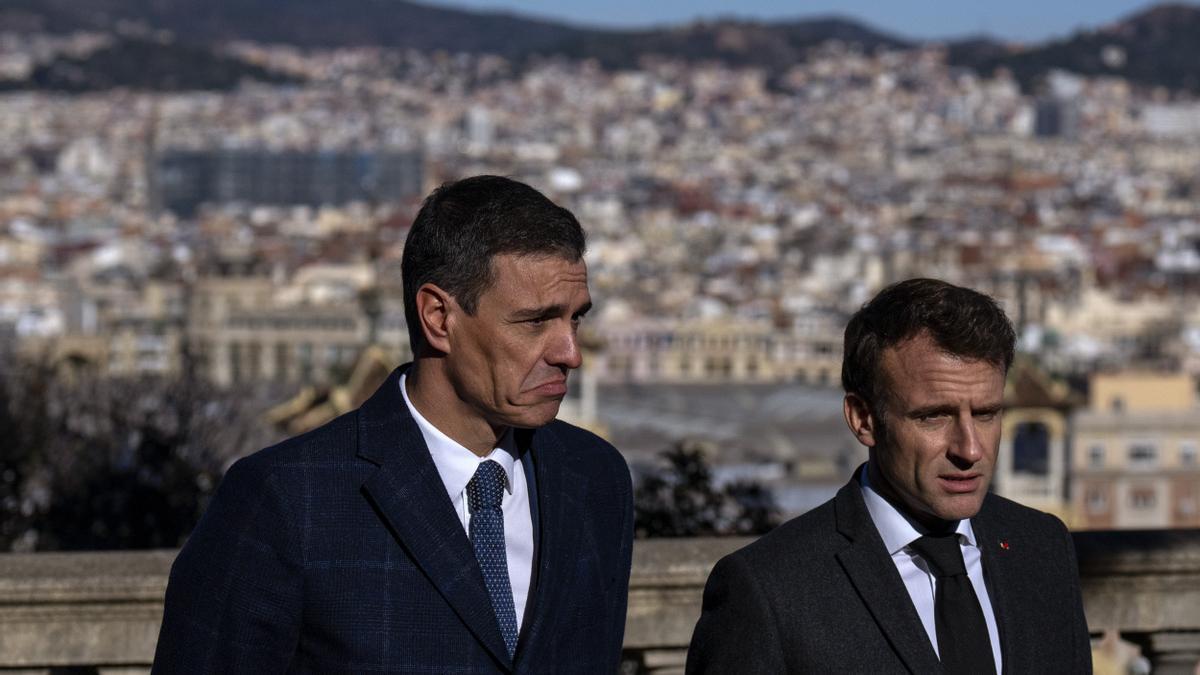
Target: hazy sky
1023 20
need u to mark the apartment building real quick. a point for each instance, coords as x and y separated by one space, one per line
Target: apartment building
1136 453
722 350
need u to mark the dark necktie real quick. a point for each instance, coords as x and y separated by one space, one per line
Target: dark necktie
484 493
963 643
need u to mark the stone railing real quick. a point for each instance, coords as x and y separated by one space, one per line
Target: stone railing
81 609
102 610
1144 586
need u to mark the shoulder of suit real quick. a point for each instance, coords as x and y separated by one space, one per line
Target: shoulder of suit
1011 514
812 535
566 430
332 439
593 449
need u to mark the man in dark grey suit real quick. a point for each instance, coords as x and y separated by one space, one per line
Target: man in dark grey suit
914 567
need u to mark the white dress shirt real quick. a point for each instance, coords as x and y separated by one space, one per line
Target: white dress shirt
456 465
898 531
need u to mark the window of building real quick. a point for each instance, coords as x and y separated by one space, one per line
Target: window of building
1142 498
235 362
1097 500
1143 455
281 360
202 355
1031 449
1096 456
254 360
1188 453
305 356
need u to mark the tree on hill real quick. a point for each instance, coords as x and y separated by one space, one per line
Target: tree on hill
682 500
92 462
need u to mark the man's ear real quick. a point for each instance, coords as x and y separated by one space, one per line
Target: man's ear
861 420
434 307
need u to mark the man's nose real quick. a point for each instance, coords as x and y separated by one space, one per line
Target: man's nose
966 444
564 350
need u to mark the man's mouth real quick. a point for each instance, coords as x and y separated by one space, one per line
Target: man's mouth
552 388
960 483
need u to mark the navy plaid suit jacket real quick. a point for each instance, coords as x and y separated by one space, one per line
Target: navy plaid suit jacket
339 551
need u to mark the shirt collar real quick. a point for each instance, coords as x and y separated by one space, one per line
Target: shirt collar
896 528
456 464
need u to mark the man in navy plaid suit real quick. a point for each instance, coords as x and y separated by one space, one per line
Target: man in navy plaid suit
450 524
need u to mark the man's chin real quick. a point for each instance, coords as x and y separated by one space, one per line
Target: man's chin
535 416
959 507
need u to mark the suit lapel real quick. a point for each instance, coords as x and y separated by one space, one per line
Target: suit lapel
559 515
878 583
988 534
409 495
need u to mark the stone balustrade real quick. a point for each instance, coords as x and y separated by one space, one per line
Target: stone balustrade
102 610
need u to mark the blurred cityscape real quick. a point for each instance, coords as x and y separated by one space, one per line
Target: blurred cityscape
200 272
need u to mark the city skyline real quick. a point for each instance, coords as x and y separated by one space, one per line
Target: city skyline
247 240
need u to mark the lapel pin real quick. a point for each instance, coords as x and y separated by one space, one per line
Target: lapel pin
1004 544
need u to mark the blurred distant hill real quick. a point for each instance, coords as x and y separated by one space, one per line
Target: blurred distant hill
144 65
1156 47
307 23
402 24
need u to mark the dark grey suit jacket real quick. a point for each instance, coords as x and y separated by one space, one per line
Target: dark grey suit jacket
821 594
339 551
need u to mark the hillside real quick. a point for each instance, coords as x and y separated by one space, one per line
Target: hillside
1155 47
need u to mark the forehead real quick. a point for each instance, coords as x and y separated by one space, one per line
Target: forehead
537 276
918 372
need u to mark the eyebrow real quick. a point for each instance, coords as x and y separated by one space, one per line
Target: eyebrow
547 311
952 410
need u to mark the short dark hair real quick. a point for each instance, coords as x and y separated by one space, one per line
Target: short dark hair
464 224
962 322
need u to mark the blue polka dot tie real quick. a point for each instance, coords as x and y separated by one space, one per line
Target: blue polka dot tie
484 492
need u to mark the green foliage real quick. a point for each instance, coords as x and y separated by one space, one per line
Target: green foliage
683 502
